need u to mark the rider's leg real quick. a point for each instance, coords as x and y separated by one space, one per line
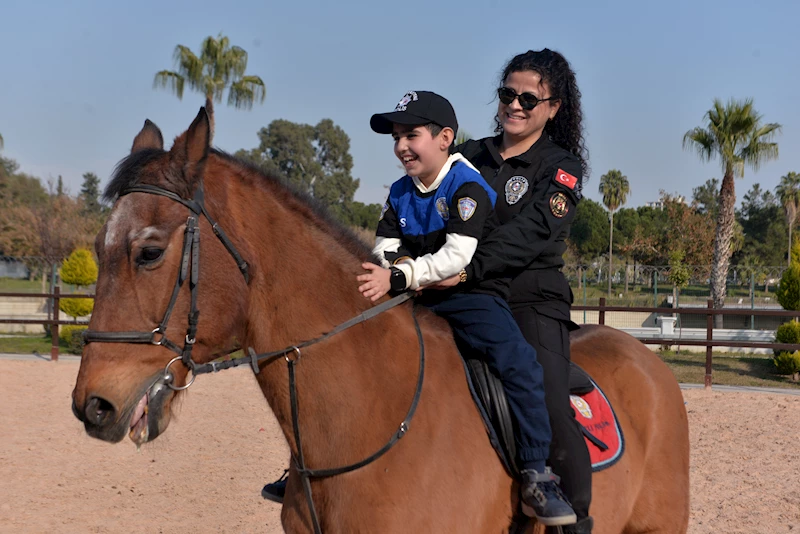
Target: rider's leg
484 324
568 453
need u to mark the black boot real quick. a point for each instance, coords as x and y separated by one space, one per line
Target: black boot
584 526
275 491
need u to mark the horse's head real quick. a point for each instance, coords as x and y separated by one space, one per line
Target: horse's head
149 259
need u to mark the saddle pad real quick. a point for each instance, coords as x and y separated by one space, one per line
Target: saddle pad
600 427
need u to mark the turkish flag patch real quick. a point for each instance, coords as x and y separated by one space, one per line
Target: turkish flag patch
566 179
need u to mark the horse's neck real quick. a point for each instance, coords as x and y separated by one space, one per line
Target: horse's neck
304 284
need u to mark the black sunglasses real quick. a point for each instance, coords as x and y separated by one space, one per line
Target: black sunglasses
527 101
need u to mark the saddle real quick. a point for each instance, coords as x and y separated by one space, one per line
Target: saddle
593 412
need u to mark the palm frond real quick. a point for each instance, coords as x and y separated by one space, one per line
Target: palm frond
188 65
246 91
703 141
169 79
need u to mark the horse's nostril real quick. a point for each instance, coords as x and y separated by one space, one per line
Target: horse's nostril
99 411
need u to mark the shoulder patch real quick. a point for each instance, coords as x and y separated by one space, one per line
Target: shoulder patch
383 210
442 208
559 205
566 179
466 208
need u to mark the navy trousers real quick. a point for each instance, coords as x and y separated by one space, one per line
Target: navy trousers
484 326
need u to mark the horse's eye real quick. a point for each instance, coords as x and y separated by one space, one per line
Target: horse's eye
149 255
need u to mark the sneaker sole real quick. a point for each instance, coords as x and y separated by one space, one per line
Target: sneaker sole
549 521
271 497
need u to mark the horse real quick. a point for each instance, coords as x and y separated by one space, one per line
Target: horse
345 393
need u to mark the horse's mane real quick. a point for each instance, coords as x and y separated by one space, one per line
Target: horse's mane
128 172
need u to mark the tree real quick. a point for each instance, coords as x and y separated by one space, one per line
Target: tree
734 134
707 197
315 160
79 269
678 274
220 66
614 188
788 292
788 192
60 187
761 222
90 193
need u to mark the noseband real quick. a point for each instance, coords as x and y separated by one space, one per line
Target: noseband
190 269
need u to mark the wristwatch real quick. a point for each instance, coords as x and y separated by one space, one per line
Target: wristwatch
397 280
462 276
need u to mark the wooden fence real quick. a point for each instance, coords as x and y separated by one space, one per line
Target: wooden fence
602 309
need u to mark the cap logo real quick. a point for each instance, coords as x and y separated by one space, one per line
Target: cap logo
409 97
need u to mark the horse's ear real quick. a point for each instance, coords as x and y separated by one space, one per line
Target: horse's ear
191 147
149 137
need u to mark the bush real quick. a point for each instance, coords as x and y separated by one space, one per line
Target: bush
79 269
76 307
788 363
72 337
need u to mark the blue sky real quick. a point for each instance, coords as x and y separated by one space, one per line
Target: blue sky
77 76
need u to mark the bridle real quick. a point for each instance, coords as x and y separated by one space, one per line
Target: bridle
190 270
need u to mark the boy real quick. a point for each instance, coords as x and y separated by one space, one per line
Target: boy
428 231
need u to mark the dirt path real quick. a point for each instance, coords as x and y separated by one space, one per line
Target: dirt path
205 473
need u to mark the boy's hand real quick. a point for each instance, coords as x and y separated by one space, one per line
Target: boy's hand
447 283
377 282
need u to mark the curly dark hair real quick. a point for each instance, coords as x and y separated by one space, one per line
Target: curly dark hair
566 129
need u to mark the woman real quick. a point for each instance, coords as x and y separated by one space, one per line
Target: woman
536 164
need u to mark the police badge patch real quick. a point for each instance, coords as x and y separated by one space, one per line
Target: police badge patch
409 97
466 208
443 208
558 205
516 187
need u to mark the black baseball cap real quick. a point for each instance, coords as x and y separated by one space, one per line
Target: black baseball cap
415 109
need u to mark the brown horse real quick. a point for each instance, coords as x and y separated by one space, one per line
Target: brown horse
352 388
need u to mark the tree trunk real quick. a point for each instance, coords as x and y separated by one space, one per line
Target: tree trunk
211 122
626 277
722 244
789 256
610 242
580 277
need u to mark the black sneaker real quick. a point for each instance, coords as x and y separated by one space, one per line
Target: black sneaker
543 499
275 491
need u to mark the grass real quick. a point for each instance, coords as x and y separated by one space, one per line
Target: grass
28 343
727 369
14 285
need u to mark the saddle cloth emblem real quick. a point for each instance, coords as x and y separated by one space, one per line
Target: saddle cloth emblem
466 208
581 405
515 188
443 208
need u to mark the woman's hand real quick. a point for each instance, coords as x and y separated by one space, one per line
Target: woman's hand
447 283
377 282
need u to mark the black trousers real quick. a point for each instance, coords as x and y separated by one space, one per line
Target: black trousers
569 456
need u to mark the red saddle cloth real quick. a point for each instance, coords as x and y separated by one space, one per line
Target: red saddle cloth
600 427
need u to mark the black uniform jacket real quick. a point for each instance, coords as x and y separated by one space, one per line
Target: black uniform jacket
537 193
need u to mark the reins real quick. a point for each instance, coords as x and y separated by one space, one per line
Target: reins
190 270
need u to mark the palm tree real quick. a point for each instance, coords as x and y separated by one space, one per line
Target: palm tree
789 194
219 67
615 188
1 141
734 134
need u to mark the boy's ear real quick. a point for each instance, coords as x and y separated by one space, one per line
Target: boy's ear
446 137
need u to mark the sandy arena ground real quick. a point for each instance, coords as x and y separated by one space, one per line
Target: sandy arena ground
205 473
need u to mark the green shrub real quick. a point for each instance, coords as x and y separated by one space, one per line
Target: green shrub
788 363
76 307
72 337
79 269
